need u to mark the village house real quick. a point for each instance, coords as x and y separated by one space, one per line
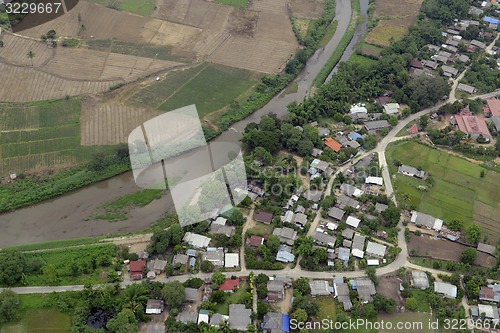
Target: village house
420 280
263 216
239 317
336 213
275 290
375 249
341 292
285 254
334 145
376 125
466 88
449 71
135 269
485 248
319 288
365 288
196 240
350 190
472 125
374 180
426 221
215 256
446 289
324 239
493 107
274 322
230 285
254 241
411 171
232 260
286 235
391 108
490 293
343 254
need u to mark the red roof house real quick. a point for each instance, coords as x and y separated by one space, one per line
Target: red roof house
474 126
334 145
413 129
135 269
229 285
255 241
493 108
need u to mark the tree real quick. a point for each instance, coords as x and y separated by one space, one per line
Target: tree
9 306
136 295
300 315
51 34
1 43
218 278
411 304
455 225
273 243
174 294
123 322
302 285
468 256
383 303
426 90
11 269
306 245
371 272
236 218
30 56
195 283
473 233
207 266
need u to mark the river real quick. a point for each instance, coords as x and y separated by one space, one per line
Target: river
70 215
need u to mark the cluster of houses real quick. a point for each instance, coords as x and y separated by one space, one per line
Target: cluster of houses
444 56
372 121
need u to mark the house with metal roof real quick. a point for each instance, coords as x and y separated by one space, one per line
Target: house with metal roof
348 233
155 306
285 254
263 216
239 317
341 292
324 239
353 221
286 235
345 201
215 256
343 254
196 240
391 108
350 190
376 125
192 294
313 195
411 171
374 180
231 260
274 322
375 249
319 288
490 293
488 311
336 213
426 221
489 249
365 288
445 289
358 242
275 290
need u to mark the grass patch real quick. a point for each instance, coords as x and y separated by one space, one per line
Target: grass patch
344 42
385 32
292 88
143 7
327 309
234 298
70 42
117 210
330 31
369 49
261 229
36 316
404 130
422 303
457 185
236 3
301 26
362 60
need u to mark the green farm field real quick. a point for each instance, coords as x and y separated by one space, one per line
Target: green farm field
41 136
143 7
210 87
458 190
236 3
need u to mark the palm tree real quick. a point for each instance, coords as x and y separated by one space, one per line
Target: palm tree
135 295
30 56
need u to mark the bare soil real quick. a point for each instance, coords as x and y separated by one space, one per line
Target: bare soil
446 250
308 9
389 286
